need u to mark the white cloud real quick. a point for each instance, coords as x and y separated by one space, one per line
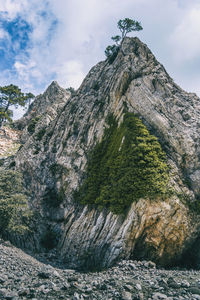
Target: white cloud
3 34
26 70
18 113
185 39
65 52
70 74
13 7
83 31
191 85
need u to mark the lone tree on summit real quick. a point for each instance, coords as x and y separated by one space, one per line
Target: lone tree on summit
11 95
125 26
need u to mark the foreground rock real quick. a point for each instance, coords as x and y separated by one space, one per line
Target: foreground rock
24 277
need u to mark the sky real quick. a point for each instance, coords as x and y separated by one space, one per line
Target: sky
46 40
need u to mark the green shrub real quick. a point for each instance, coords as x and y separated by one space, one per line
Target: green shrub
111 53
32 124
96 86
126 165
12 165
58 170
72 91
37 150
14 211
40 134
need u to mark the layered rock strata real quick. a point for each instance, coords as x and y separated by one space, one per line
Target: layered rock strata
56 148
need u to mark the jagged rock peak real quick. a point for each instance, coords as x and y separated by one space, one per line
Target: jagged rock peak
54 83
54 94
53 99
53 91
132 45
54 87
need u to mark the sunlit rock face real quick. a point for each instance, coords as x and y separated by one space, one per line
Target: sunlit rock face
59 134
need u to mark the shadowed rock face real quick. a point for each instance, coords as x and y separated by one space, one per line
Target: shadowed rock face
55 154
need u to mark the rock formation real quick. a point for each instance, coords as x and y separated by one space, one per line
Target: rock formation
59 133
9 141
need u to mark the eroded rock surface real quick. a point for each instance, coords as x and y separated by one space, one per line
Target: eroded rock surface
55 153
9 141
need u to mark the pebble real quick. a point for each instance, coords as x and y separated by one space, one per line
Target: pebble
138 287
24 277
159 296
194 290
126 296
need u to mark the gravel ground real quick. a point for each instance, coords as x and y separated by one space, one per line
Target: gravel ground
25 277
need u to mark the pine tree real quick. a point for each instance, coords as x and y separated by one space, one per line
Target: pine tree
11 95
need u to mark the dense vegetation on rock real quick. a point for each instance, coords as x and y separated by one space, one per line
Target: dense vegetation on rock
126 165
14 212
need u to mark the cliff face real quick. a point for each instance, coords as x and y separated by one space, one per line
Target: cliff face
59 133
9 142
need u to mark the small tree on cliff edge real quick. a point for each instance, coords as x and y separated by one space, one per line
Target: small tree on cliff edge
125 26
11 95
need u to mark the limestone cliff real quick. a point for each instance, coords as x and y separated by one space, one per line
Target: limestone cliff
59 133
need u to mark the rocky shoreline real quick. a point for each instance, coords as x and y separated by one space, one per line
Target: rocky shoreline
24 277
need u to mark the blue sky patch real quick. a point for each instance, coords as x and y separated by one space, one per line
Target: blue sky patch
61 40
16 41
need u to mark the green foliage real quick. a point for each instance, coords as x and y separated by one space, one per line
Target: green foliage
11 95
116 39
37 150
32 124
5 114
111 53
125 26
40 134
58 170
14 212
71 90
96 86
12 165
126 165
